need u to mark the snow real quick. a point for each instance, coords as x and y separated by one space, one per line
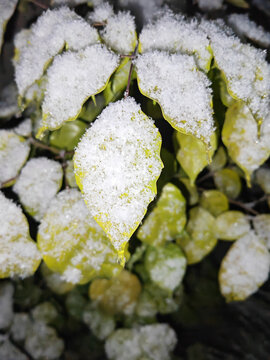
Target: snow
116 165
84 74
210 5
101 13
24 128
261 224
175 83
37 184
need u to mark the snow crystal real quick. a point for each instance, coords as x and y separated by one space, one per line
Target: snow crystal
24 128
261 225
210 5
153 342
37 184
6 304
14 151
84 73
53 30
8 101
117 162
175 34
245 27
101 13
244 268
18 254
70 240
181 90
120 33
7 8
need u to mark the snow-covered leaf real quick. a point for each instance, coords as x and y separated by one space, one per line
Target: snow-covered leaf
14 151
54 30
214 201
120 33
261 224
101 13
18 252
244 268
239 134
210 5
228 182
72 243
173 81
24 128
167 220
85 73
100 323
117 164
231 225
37 184
7 8
174 33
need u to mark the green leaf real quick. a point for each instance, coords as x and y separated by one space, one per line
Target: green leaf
166 266
239 135
214 201
244 268
193 155
167 220
231 225
72 243
262 178
198 240
228 182
117 164
219 160
19 255
193 195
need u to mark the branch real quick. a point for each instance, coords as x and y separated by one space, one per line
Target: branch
37 3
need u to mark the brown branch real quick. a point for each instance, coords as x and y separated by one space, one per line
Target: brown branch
40 145
99 24
244 206
37 3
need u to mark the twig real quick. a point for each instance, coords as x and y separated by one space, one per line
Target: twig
255 202
99 24
244 206
128 56
42 6
130 73
40 145
205 177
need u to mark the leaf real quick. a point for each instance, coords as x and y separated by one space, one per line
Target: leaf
244 268
118 295
172 81
119 33
214 201
54 30
261 224
167 220
219 160
7 8
198 240
69 174
72 243
117 164
84 73
262 178
19 255
166 266
193 155
231 225
173 33
37 184
14 151
228 182
239 134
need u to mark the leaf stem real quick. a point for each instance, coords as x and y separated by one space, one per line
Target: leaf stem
244 206
126 94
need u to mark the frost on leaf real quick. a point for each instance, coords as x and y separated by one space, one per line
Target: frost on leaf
24 128
240 136
117 164
72 243
54 30
14 151
120 33
153 342
84 73
173 33
245 70
193 155
181 90
167 220
244 268
18 252
8 101
244 27
231 225
261 224
37 184
7 8
100 323
101 13
166 266
228 181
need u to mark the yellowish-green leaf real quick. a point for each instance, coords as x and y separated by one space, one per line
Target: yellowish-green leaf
198 240
214 201
19 255
239 135
231 225
193 155
117 164
69 174
167 220
193 197
219 160
244 268
228 181
262 178
72 243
